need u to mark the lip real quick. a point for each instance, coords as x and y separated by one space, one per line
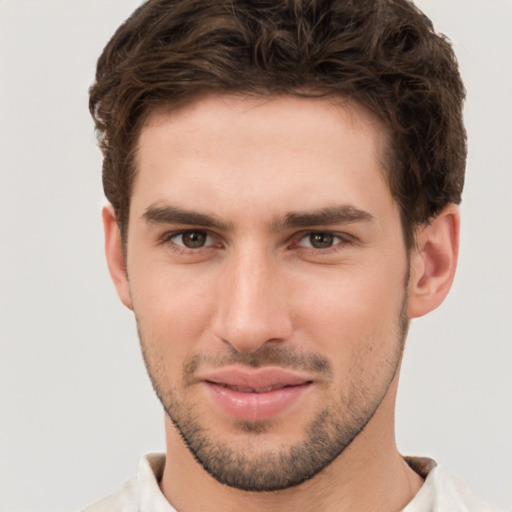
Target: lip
255 394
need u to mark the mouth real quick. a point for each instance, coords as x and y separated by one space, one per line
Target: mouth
250 390
254 395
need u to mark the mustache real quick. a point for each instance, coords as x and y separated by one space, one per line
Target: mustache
265 356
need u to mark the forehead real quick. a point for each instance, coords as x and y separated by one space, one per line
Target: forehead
294 115
264 151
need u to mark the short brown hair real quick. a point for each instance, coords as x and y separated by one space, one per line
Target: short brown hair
383 54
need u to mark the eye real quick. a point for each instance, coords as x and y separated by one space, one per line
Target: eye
320 240
191 239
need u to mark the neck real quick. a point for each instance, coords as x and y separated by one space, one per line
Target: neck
370 475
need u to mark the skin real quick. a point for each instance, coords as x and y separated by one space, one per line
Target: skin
257 287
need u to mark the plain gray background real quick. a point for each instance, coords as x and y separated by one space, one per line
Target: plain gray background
77 410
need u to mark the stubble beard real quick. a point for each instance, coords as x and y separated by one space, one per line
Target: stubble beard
328 434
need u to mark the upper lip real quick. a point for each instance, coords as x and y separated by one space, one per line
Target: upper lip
258 379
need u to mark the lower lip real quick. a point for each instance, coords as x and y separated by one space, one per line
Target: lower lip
255 406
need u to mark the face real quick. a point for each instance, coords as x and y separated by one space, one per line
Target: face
267 272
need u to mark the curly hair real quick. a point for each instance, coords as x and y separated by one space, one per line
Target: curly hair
382 54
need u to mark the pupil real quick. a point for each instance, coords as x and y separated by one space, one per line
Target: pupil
194 239
321 240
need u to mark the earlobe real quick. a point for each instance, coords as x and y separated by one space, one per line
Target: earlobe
433 262
115 256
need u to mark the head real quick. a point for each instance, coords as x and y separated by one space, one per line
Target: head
384 56
282 178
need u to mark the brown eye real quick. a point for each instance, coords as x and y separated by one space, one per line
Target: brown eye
321 240
191 239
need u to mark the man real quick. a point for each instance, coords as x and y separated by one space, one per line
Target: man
283 180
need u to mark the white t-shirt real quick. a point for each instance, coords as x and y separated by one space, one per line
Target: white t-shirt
441 492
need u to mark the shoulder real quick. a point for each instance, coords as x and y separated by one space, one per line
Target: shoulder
141 492
442 491
454 494
123 500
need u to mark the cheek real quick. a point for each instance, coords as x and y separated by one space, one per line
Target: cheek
358 330
346 313
172 309
353 312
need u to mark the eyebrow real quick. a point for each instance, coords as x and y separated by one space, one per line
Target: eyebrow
324 217
158 214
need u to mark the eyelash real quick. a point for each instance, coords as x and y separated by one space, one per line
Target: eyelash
343 241
167 239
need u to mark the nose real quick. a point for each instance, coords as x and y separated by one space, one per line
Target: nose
253 307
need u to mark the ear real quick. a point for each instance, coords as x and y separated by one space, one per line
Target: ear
115 256
433 262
